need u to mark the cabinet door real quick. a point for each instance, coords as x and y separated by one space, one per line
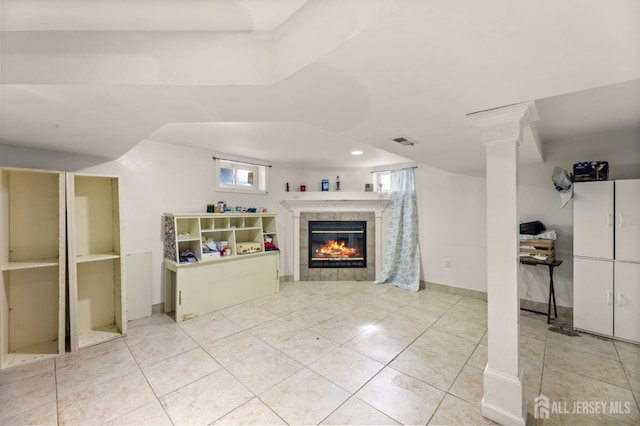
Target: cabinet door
627 297
628 220
593 295
593 219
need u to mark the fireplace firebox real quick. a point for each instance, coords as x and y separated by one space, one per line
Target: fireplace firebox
337 244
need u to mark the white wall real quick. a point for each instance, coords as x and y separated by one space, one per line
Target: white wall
453 224
158 178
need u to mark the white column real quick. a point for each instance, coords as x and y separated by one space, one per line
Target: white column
296 245
378 242
503 399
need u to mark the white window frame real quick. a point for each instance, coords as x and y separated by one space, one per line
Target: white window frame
259 179
384 178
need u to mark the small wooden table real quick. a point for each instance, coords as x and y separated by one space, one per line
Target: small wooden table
552 292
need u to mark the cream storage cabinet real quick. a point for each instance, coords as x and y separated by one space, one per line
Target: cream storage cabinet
217 260
32 260
606 266
97 307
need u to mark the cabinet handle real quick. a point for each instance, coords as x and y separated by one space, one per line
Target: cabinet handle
609 298
619 299
620 216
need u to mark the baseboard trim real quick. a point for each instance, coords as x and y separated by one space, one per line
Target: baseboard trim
564 312
158 308
458 291
286 278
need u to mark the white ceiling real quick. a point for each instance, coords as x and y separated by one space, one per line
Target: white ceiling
306 82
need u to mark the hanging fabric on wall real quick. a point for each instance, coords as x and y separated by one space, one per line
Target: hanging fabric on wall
562 181
401 263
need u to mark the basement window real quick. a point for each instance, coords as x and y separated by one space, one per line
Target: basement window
237 176
382 178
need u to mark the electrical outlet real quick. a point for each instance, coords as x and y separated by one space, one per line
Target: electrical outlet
447 263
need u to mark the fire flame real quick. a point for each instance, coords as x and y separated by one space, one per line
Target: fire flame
335 249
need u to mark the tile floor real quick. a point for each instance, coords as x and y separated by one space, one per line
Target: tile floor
321 353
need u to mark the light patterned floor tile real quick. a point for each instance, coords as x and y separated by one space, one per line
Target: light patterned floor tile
376 345
46 414
352 330
263 370
250 315
209 328
468 385
346 368
25 396
306 347
254 412
338 330
479 357
76 373
433 369
23 372
150 351
456 411
151 414
290 398
357 412
180 370
590 365
446 344
567 387
404 399
206 400
308 317
236 347
276 331
105 401
460 328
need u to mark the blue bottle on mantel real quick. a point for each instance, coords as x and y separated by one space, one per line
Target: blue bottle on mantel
325 185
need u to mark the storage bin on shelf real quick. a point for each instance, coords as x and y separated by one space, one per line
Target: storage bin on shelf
248 247
540 249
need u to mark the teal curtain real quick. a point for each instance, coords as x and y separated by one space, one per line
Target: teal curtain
401 263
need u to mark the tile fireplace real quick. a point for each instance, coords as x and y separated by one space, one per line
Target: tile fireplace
336 206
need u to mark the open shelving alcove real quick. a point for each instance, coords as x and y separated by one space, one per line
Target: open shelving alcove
58 229
96 286
32 260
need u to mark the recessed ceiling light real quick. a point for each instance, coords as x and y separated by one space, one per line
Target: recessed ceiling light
356 152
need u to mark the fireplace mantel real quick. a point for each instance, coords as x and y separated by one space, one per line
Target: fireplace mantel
337 202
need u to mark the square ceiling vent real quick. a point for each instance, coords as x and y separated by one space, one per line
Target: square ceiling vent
404 141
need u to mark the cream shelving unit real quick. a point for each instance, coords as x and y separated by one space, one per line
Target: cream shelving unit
32 262
212 283
97 307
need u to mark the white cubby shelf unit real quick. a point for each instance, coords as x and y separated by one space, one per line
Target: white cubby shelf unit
32 261
247 270
97 294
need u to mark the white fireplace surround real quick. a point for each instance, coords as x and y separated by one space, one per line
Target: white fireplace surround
335 202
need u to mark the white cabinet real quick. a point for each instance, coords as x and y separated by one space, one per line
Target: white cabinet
627 211
593 219
606 275
97 307
627 301
247 268
593 295
32 263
